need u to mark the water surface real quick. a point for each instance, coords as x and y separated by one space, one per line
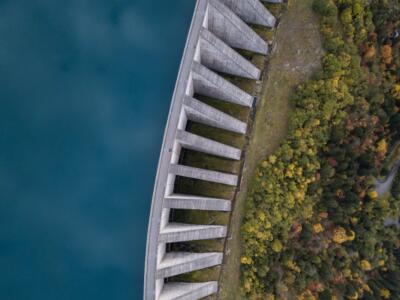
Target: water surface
85 88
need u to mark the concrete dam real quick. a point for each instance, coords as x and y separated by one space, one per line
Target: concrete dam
219 30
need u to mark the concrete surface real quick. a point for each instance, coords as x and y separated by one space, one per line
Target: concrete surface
194 142
175 263
202 174
196 202
188 291
209 83
218 56
202 113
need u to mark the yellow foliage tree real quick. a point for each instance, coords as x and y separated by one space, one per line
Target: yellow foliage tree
396 91
382 147
386 53
365 265
370 53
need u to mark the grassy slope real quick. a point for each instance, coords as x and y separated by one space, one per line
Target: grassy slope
295 56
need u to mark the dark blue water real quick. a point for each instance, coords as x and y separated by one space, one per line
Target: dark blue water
85 88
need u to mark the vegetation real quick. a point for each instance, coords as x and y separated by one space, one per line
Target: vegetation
314 225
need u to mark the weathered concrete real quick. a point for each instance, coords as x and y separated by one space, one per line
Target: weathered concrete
218 56
231 29
202 113
175 263
251 11
194 142
188 291
196 202
214 31
178 232
202 174
209 83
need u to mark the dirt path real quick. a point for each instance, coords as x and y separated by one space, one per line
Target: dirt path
295 55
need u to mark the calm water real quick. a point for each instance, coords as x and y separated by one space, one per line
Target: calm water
85 88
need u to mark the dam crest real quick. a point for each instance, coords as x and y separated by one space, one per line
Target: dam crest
219 30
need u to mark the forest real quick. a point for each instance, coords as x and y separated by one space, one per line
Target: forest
314 226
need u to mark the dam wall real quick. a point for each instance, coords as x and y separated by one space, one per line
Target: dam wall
219 29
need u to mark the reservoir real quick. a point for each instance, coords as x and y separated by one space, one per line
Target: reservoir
85 89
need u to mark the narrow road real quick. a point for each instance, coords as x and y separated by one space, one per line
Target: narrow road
382 187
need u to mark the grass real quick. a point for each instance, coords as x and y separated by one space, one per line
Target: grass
295 56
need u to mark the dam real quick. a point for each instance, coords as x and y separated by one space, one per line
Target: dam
220 29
